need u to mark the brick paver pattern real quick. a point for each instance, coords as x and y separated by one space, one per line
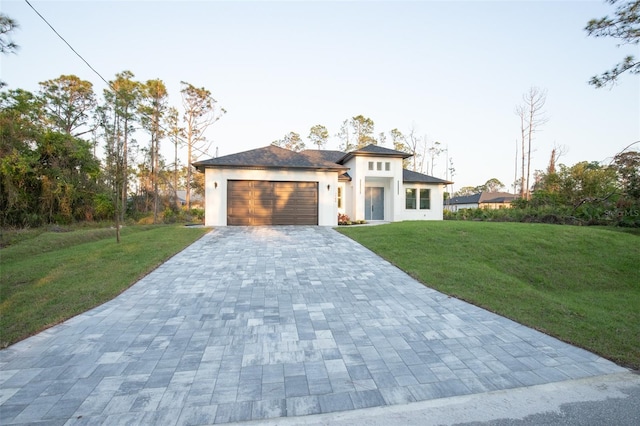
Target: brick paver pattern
257 323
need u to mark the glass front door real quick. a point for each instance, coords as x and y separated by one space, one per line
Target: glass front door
374 203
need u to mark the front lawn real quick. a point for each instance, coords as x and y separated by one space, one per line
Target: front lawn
579 284
48 277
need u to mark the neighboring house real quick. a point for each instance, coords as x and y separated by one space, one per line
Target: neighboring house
276 186
483 200
197 202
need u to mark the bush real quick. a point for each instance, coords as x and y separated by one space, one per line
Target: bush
343 219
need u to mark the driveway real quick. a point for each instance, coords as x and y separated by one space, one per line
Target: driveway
259 323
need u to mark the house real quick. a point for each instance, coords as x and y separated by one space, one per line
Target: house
276 186
197 202
483 200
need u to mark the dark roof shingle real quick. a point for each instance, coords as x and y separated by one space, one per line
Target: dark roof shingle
415 177
269 157
375 151
483 197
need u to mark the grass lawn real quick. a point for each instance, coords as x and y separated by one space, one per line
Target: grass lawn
579 284
48 277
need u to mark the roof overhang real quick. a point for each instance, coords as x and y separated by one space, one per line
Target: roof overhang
348 156
202 166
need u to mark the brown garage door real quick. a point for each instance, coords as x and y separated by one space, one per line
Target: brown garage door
254 202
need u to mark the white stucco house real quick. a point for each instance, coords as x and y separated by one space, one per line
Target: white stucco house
481 200
276 186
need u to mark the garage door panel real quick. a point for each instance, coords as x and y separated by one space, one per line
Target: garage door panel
272 203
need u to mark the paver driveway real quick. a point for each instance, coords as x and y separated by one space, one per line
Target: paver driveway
255 323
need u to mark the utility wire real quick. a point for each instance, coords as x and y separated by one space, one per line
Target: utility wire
67 43
100 75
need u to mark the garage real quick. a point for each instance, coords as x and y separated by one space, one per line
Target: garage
256 202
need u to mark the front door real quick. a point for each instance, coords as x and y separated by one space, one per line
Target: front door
374 203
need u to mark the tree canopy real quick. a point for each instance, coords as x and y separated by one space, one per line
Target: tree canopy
624 26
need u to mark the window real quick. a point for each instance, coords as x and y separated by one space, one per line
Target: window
339 197
387 166
410 198
370 165
379 165
425 199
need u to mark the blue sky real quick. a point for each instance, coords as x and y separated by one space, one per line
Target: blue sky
452 70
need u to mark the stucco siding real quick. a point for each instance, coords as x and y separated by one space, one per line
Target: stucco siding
216 183
436 208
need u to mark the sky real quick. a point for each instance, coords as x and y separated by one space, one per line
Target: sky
452 71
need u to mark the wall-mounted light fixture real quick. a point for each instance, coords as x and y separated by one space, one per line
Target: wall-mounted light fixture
328 187
215 185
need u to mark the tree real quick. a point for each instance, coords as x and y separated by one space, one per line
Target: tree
152 108
291 141
532 117
7 25
19 183
7 45
434 152
623 26
356 132
45 176
586 182
413 144
346 142
363 129
68 103
399 142
200 112
318 135
627 165
67 173
466 190
493 185
175 133
117 117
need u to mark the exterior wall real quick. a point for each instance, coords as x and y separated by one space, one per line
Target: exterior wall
493 206
216 191
362 178
490 206
343 186
456 207
436 198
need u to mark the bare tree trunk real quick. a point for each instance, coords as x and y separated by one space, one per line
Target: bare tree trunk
522 181
515 172
154 176
187 197
175 173
125 167
529 138
531 118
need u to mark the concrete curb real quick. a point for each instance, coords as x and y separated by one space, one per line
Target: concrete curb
528 405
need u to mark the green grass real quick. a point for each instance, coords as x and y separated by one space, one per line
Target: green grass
48 277
579 284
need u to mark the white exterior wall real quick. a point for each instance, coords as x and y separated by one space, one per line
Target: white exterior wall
362 177
436 210
216 191
456 207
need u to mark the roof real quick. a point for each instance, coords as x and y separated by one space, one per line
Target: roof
483 197
374 151
415 177
345 177
310 159
323 155
270 157
182 196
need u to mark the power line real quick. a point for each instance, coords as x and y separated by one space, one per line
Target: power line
100 75
67 43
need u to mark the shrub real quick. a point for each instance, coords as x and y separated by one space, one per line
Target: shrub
343 219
